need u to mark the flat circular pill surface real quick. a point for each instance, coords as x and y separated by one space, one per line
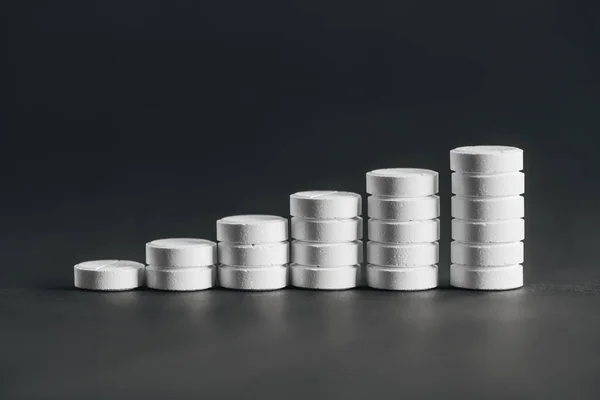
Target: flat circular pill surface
486 255
486 159
327 230
404 232
324 278
402 255
488 209
409 279
254 255
109 275
322 204
180 278
327 254
404 208
402 182
511 230
486 278
252 229
181 252
261 278
507 184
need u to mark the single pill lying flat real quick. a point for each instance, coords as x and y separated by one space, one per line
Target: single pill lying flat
253 278
507 184
181 252
109 275
321 204
402 182
488 209
405 279
180 278
251 255
486 255
252 229
327 230
486 278
404 232
327 254
402 255
486 159
510 230
404 208
324 278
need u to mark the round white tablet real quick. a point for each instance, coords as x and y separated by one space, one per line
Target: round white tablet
486 159
404 208
109 275
402 255
253 278
180 278
182 252
510 230
486 278
327 230
411 278
252 229
327 254
488 209
496 254
507 184
325 204
254 255
402 182
404 232
324 278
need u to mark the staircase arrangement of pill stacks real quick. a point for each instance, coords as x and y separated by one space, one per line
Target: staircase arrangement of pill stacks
253 252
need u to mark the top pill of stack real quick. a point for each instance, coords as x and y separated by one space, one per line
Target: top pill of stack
325 204
402 182
486 159
252 229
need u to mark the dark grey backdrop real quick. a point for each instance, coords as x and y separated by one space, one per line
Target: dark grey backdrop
130 121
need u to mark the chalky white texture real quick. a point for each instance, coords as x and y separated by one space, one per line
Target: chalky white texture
181 252
111 275
322 204
180 278
253 278
507 184
488 209
402 182
254 255
327 254
511 230
327 230
413 278
484 255
402 255
486 278
324 278
404 208
486 159
252 229
404 232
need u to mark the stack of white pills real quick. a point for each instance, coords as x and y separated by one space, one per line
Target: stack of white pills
253 252
181 264
403 230
327 250
488 210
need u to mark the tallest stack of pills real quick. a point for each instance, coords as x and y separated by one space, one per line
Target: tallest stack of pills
488 210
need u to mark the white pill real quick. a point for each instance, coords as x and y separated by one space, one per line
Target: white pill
181 252
180 278
109 275
252 229
507 184
488 209
486 159
496 254
253 278
410 278
402 255
404 232
327 254
324 278
486 278
254 255
510 230
402 182
327 230
404 208
321 204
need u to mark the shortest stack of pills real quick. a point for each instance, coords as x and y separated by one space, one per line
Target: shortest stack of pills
253 252
109 275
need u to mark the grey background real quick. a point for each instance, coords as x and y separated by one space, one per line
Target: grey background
130 121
